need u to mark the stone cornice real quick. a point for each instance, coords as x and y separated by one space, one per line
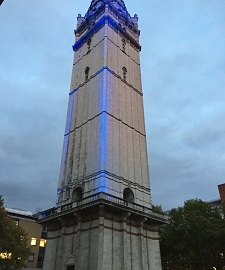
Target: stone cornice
108 200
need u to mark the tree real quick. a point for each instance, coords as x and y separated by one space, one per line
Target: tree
13 242
194 239
157 208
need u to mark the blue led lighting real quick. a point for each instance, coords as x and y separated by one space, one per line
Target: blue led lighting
103 130
69 114
66 142
103 149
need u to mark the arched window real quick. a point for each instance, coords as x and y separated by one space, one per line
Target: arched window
128 195
124 73
123 45
87 73
70 263
89 45
77 194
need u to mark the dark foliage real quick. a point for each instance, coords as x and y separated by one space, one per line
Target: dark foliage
195 238
13 242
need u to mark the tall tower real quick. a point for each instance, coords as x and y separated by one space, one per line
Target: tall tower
103 218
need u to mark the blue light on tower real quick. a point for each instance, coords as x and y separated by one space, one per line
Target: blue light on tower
103 131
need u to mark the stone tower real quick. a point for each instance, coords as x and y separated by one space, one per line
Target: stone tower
103 218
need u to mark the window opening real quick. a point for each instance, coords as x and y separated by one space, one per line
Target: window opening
123 45
5 255
31 257
77 194
87 73
88 45
43 242
70 267
124 73
44 229
128 195
33 241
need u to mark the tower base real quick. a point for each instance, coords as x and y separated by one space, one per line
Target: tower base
102 233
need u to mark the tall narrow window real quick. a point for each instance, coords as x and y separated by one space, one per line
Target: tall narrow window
124 73
89 45
87 73
123 45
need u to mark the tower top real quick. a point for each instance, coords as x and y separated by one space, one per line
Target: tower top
116 8
117 4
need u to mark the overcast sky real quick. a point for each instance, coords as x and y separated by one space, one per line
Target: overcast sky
183 74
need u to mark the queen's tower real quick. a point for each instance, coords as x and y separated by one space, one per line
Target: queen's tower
103 218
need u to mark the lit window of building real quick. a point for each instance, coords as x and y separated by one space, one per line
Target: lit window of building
33 241
5 255
43 242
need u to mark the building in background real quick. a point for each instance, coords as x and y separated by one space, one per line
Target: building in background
221 189
36 235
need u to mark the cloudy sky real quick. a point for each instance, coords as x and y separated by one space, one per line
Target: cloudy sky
183 73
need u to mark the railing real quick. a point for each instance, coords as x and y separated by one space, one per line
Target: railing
101 196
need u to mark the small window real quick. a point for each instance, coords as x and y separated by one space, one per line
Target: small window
31 257
33 241
87 73
89 45
124 73
43 242
70 267
123 45
44 229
